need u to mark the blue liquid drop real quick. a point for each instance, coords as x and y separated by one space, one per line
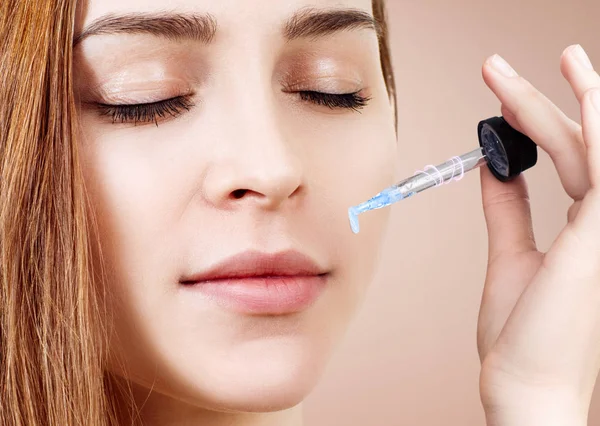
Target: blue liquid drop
353 220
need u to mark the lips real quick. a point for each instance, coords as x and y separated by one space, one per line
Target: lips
258 283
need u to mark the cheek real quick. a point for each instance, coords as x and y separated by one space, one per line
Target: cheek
355 160
132 214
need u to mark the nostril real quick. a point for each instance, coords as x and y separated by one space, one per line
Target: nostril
239 193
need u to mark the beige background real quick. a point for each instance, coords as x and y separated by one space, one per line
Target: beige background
410 357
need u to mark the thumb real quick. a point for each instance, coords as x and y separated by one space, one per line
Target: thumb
507 214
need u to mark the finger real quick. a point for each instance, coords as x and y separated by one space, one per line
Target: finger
507 215
573 211
577 68
511 119
588 218
590 117
543 122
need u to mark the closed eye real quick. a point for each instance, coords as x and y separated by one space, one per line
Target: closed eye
353 101
146 113
170 108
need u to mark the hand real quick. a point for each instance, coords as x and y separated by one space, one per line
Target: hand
539 324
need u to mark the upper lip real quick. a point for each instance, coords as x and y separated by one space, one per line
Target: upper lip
250 264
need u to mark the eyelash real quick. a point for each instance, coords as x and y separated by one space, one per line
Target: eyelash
146 113
353 101
152 112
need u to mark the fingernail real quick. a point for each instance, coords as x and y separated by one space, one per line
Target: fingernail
502 66
582 57
596 99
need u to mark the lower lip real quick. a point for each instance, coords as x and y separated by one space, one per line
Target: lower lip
264 295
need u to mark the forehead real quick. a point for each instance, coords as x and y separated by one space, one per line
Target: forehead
240 14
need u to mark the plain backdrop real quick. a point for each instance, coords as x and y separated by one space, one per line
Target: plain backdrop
410 357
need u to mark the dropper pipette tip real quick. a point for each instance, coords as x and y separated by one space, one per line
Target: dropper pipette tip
385 198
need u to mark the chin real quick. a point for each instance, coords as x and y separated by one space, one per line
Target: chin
271 382
264 398
265 375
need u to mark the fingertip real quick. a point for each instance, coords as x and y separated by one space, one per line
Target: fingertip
565 68
574 59
492 79
568 51
496 67
486 69
488 61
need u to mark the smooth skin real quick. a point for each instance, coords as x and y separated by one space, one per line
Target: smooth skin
252 166
539 324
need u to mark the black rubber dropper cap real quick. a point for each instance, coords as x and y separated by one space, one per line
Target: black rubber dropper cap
508 151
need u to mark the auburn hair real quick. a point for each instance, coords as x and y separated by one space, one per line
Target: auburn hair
53 310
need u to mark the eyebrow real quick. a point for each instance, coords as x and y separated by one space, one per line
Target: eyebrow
171 26
307 23
315 23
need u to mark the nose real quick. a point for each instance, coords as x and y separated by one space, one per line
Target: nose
257 167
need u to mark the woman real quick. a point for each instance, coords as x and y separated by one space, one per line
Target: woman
174 188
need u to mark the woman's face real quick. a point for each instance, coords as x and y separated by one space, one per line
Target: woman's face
264 122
